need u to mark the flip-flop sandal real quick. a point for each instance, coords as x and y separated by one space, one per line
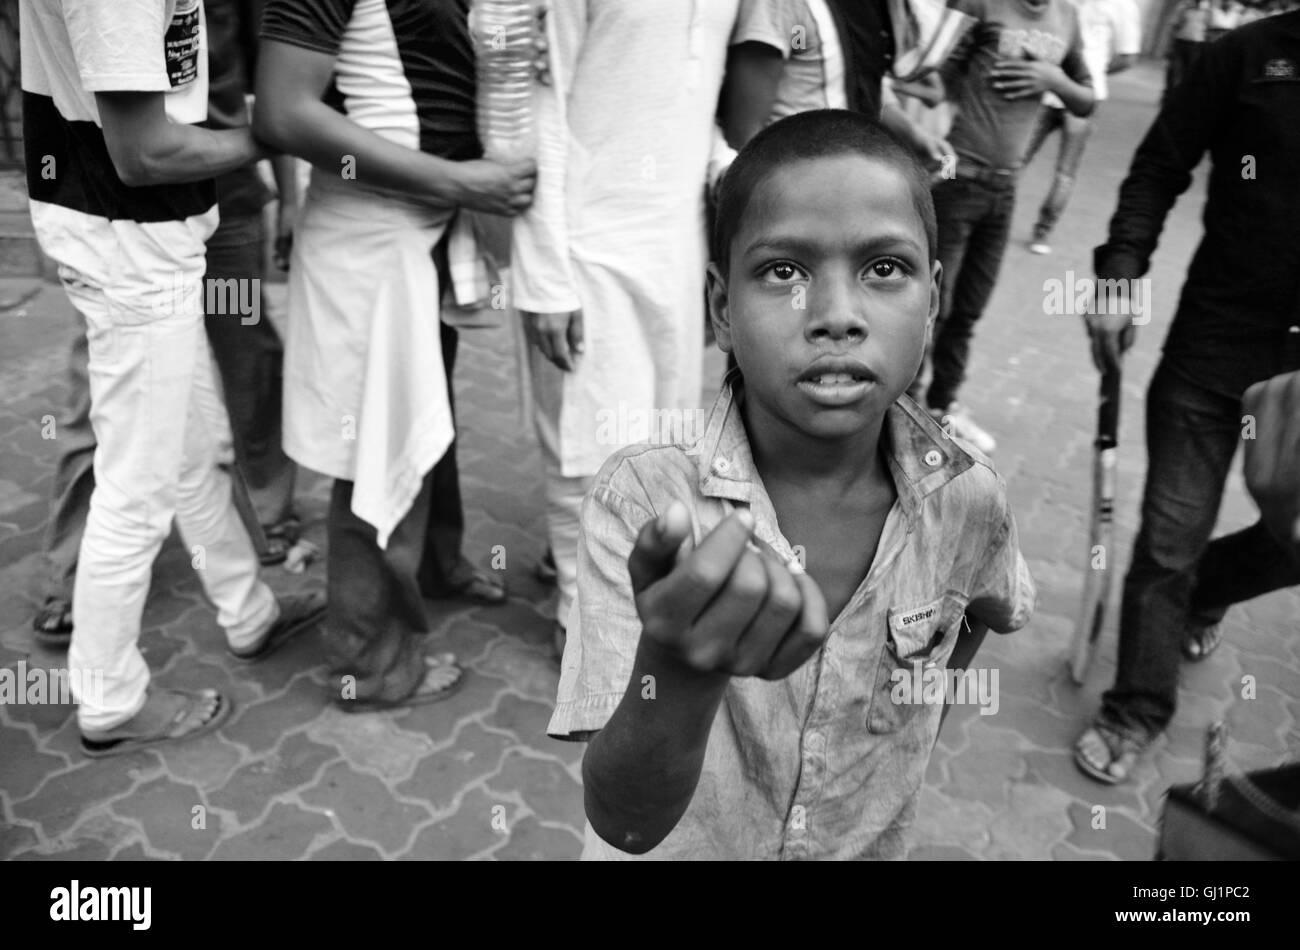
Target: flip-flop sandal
1123 746
280 539
107 745
297 614
485 589
53 623
421 696
1202 640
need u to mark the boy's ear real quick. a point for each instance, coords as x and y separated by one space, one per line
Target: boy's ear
936 282
716 286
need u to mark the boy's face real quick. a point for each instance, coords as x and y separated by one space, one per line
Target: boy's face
830 296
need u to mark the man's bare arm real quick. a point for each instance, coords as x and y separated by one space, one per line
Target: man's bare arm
148 148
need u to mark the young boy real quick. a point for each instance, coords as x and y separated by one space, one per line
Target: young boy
1017 50
1112 39
817 519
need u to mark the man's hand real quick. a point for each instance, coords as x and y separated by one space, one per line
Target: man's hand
557 335
723 607
1018 78
505 189
1111 330
1273 456
935 152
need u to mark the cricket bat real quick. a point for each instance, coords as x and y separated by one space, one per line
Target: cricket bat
1097 584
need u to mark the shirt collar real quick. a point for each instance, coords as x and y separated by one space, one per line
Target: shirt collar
922 457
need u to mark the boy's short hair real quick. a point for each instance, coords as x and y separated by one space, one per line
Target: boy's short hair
820 133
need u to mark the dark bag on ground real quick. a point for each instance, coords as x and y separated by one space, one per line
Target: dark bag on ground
1251 816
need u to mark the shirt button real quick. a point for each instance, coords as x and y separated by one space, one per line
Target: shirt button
933 458
721 466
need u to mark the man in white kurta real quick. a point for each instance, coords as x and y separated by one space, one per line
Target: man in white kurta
612 257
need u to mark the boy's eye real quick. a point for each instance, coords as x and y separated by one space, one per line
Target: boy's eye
886 268
782 272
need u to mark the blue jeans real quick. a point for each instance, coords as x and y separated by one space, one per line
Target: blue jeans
1074 136
1177 574
974 222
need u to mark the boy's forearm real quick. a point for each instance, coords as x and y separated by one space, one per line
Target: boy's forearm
968 643
640 772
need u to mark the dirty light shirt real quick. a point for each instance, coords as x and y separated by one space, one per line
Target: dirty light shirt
822 764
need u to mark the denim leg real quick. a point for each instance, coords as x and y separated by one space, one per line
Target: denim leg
1049 120
443 569
958 205
250 358
377 618
74 476
988 215
1239 567
1192 434
1074 137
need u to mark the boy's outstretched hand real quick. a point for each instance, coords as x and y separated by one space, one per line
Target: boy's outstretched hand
723 607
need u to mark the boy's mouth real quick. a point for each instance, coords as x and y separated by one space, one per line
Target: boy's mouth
836 381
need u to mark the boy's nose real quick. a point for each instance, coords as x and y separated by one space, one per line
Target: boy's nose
835 313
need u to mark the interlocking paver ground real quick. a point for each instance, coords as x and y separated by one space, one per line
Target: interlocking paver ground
475 777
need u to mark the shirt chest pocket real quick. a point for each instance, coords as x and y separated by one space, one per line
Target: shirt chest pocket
920 638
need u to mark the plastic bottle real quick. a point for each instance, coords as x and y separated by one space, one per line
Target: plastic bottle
505 34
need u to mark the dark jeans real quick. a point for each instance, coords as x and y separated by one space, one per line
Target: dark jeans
974 222
378 616
74 478
1177 574
377 619
250 360
445 570
1074 136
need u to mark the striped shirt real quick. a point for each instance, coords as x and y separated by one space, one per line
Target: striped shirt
404 69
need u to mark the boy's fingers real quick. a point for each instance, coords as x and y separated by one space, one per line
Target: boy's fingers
780 611
654 553
808 634
701 575
717 631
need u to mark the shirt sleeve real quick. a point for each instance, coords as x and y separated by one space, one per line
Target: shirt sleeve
1003 593
1128 28
312 24
604 628
771 22
1194 112
542 279
118 46
958 61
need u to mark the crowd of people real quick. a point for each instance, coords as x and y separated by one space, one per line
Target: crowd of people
763 167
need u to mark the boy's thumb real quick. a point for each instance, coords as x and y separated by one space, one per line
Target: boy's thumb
654 554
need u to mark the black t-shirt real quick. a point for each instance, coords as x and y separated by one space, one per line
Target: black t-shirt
403 68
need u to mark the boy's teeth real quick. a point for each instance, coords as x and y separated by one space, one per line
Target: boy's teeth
830 379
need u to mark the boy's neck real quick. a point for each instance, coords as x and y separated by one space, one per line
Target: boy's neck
784 454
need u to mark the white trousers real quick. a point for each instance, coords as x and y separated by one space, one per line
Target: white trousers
564 494
160 424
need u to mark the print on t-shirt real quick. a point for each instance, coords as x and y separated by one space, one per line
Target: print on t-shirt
182 44
1029 44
